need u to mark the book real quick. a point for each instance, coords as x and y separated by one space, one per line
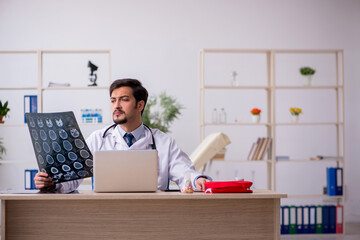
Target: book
29 175
30 105
339 218
332 219
312 219
300 220
293 220
319 221
256 150
59 146
261 142
285 213
265 148
252 149
339 182
326 219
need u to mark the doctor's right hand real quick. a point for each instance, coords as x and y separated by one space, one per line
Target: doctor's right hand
43 182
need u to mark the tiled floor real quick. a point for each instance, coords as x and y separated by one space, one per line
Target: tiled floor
352 233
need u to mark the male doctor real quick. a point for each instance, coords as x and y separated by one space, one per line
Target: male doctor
128 99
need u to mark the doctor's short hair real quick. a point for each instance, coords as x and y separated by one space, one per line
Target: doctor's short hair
139 92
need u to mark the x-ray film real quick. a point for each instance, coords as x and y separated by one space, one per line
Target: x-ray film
59 146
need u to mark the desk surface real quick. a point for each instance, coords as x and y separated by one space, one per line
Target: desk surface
90 195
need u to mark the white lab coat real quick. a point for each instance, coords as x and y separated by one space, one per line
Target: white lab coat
173 162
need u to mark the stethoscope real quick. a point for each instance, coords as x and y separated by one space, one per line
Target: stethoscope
153 145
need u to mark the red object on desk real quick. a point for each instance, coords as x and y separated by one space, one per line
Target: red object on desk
228 187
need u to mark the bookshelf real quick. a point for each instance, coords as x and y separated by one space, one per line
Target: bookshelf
29 73
270 79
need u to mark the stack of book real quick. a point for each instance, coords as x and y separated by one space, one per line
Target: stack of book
259 148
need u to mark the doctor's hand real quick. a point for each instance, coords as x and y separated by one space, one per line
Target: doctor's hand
200 183
43 182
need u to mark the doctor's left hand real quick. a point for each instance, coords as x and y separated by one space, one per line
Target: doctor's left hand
200 183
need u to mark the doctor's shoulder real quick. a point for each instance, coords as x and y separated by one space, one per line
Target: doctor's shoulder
165 138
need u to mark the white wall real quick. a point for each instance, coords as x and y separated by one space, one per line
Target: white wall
158 42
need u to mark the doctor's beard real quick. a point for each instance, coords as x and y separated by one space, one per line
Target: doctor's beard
120 121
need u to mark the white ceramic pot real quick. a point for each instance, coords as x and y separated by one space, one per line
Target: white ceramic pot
295 118
256 118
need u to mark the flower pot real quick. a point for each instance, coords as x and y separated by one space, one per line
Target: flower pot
308 80
1 119
295 118
256 118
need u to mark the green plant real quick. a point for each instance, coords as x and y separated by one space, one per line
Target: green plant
2 148
307 71
4 108
160 111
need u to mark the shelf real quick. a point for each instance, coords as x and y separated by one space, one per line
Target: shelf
74 88
235 87
235 124
314 196
18 88
308 87
340 159
16 161
308 124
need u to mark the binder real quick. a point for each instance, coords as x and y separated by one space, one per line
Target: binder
30 105
29 175
312 219
326 219
331 181
300 220
339 181
286 217
292 218
339 218
306 220
332 219
318 218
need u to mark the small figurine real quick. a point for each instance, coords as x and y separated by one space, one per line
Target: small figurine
186 185
92 75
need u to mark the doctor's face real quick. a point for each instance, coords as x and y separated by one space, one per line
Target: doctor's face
124 106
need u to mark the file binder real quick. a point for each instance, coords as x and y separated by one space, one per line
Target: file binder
326 219
30 105
300 220
339 218
339 181
319 219
29 175
312 219
331 181
292 218
286 216
332 219
306 219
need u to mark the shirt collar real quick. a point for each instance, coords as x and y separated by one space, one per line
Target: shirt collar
137 133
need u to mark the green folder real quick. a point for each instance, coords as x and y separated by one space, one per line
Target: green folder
318 218
293 219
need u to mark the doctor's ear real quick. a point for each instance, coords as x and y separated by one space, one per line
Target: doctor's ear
140 105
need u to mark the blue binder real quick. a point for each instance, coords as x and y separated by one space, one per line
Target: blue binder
306 219
285 220
312 219
29 175
332 219
326 219
300 220
339 181
331 181
30 105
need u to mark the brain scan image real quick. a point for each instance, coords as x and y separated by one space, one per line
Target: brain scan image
60 148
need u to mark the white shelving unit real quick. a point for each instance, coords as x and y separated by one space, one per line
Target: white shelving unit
37 64
277 78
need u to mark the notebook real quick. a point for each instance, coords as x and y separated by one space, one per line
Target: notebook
126 171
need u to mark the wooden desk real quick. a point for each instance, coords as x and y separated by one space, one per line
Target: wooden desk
160 215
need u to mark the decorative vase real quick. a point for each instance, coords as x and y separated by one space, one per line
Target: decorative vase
295 118
256 118
1 119
308 80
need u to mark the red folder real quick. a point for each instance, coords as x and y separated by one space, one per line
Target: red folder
339 218
228 187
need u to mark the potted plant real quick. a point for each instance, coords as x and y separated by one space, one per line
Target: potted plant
308 72
160 111
3 110
295 112
256 115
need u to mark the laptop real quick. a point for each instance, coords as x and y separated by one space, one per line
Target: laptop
126 171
